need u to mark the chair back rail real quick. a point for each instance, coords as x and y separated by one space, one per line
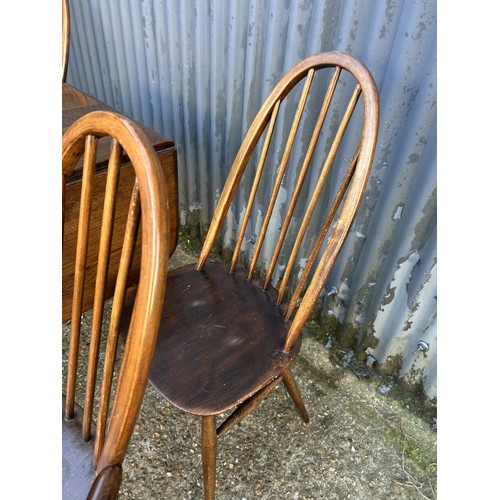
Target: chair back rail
347 198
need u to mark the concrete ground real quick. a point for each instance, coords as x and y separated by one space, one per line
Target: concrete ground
362 442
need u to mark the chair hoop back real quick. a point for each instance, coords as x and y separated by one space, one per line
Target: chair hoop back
347 198
149 208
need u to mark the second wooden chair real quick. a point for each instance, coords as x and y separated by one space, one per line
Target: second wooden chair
228 338
93 452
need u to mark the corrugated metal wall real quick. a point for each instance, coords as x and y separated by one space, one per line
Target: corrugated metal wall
198 71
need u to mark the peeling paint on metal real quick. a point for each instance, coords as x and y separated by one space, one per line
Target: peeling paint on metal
398 212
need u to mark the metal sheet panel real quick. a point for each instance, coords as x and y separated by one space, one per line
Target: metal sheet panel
198 71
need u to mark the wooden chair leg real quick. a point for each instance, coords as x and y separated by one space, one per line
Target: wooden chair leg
209 455
293 390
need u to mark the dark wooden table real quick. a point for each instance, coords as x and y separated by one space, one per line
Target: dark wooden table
75 104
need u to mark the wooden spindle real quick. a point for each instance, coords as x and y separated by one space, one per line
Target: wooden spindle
110 196
322 234
317 190
63 191
128 247
281 170
302 175
255 184
81 258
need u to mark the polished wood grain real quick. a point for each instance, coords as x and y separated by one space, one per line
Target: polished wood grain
65 37
107 484
300 182
90 451
215 328
281 170
367 88
320 183
209 454
75 105
227 339
255 186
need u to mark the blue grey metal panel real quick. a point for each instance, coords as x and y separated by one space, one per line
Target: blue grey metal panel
198 72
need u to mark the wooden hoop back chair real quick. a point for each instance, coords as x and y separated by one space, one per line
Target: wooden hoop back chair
93 454
65 38
227 338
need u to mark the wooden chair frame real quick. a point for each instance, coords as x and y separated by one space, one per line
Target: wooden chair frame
354 182
224 344
149 208
65 38
352 186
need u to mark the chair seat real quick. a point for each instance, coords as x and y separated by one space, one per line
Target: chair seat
78 472
220 340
